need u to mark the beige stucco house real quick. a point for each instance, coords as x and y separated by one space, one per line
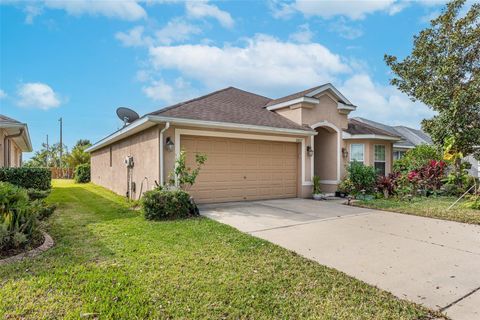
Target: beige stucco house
257 147
14 140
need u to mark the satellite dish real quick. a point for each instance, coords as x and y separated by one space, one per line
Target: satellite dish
127 115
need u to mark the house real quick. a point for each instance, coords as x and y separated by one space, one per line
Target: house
14 140
257 147
414 137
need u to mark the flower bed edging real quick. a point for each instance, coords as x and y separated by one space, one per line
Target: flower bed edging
47 244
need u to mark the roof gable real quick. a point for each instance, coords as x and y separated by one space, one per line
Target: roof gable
229 105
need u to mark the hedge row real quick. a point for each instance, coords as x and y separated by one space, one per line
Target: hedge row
36 178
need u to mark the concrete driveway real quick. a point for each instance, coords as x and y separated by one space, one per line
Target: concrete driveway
431 262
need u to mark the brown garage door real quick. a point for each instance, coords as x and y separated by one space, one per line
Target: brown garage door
238 169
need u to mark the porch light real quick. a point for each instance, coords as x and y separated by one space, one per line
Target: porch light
345 153
169 145
309 151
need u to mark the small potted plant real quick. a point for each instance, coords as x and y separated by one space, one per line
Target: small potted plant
317 192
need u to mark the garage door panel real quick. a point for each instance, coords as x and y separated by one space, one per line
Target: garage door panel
242 169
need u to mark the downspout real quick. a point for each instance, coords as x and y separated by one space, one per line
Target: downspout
160 137
6 150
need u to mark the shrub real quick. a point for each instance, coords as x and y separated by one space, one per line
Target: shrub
37 178
417 158
363 178
159 204
82 173
387 184
17 218
346 186
316 185
36 194
185 175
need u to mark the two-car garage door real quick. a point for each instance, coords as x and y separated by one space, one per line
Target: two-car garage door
238 170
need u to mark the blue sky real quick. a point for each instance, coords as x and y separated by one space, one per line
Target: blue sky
80 60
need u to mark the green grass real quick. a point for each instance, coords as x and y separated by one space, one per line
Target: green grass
431 207
109 262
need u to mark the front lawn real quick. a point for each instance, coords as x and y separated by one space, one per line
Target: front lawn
431 207
109 262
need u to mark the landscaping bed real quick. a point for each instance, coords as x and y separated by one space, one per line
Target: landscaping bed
431 207
109 262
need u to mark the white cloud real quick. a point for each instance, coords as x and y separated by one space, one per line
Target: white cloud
264 64
383 103
353 9
37 95
128 10
346 31
303 35
179 90
134 37
176 30
2 94
202 9
32 11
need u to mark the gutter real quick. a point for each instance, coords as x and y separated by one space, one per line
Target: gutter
151 120
160 146
6 150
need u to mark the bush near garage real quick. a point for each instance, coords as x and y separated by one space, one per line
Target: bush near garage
163 204
82 173
25 177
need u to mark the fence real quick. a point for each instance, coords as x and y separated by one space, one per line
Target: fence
62 173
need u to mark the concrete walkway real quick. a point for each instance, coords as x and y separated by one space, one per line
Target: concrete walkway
431 262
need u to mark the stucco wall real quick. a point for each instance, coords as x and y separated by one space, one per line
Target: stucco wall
144 149
369 152
326 115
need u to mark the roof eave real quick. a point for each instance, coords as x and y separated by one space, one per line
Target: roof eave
349 136
25 135
151 120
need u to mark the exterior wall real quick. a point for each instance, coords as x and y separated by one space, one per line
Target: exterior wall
325 114
304 189
143 147
15 151
369 156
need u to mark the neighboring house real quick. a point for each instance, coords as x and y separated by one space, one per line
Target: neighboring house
257 147
411 138
14 140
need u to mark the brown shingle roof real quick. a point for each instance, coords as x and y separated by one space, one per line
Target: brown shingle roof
230 105
4 118
291 96
358 127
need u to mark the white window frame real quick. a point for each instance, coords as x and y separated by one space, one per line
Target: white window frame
363 152
382 161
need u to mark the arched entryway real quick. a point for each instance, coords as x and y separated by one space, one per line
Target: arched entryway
326 159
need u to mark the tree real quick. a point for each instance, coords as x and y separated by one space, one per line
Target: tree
443 71
48 157
78 155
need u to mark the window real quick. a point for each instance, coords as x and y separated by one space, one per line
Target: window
357 151
379 161
398 154
110 156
